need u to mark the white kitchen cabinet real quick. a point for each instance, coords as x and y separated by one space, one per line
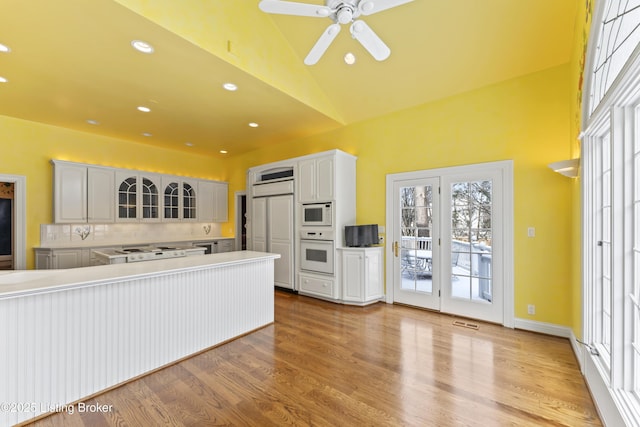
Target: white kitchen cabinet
138 196
100 203
82 193
62 258
98 194
319 286
213 201
316 179
362 276
225 245
180 199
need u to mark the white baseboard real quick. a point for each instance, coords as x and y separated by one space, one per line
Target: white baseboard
543 328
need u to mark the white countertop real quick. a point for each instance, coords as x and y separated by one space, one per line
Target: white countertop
89 244
17 283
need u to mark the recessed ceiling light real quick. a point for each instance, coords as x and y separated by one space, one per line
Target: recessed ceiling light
3 80
144 109
349 58
230 87
253 125
147 134
223 151
93 122
141 46
4 48
189 144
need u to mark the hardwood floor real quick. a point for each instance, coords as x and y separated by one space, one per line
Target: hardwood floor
322 364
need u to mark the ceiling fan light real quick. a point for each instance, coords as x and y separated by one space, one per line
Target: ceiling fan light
349 58
344 15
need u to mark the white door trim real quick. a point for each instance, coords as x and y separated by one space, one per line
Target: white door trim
20 212
507 184
238 217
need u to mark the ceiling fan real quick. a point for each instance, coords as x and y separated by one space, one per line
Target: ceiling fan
340 12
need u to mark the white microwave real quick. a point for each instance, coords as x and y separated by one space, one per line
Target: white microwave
314 214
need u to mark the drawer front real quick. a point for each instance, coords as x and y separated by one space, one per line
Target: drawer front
273 188
313 285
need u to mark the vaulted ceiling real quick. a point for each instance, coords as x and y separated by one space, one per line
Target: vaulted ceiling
71 64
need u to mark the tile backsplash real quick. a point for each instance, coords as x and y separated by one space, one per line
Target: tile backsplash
116 234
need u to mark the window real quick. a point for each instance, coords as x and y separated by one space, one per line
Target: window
618 36
611 205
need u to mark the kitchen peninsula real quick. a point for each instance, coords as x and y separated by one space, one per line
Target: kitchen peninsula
70 334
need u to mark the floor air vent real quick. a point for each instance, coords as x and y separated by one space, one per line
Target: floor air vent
465 324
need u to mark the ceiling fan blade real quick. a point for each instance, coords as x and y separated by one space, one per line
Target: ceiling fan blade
369 7
293 8
322 44
370 40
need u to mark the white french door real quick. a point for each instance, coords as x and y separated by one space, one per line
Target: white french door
450 239
472 250
416 222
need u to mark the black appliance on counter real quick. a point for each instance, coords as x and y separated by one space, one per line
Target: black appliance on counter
361 235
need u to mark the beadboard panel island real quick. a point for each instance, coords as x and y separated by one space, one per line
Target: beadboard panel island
69 334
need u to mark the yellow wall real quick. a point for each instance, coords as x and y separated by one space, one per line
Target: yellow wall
26 149
525 119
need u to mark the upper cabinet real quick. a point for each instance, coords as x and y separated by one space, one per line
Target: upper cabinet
212 203
137 196
82 193
98 194
316 179
181 199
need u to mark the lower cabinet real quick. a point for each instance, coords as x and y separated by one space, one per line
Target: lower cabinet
225 245
362 275
318 286
62 258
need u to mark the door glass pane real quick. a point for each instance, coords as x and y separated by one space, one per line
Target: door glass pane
471 236
417 230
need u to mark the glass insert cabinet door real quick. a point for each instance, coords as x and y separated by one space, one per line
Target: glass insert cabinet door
128 198
188 201
172 207
138 198
171 201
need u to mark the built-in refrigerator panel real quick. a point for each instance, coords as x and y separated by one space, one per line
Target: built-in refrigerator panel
273 232
259 224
